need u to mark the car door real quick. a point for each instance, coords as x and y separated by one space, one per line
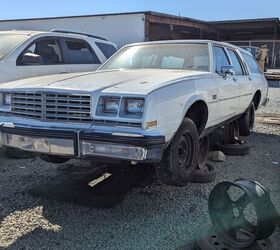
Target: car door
228 93
80 55
242 80
47 59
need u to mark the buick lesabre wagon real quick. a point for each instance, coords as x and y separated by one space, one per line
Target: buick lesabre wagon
150 103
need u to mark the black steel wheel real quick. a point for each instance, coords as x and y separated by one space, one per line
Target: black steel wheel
242 212
246 122
231 132
203 152
180 158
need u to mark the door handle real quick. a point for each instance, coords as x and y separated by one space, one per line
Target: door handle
234 79
250 79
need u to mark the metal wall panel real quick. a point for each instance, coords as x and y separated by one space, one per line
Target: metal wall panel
120 29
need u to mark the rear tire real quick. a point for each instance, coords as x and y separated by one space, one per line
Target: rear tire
231 131
180 158
246 122
203 152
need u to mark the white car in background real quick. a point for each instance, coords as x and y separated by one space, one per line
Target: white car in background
25 54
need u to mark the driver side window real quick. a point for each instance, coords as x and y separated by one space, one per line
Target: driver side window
41 52
221 59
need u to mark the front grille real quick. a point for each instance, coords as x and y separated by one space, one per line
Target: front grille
27 104
52 106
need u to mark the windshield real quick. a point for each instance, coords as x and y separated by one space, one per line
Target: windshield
161 56
9 42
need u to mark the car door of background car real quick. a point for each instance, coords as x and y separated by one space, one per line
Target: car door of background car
228 94
242 79
80 55
52 61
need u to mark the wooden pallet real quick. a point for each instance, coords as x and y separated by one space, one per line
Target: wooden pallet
272 77
273 119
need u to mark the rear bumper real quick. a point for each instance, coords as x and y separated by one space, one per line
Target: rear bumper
84 144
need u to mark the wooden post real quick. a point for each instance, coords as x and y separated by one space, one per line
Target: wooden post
273 47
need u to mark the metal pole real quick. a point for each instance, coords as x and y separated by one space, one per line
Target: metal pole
273 48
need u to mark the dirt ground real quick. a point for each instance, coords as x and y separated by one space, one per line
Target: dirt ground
165 218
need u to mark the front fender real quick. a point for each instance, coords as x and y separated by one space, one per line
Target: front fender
190 102
173 105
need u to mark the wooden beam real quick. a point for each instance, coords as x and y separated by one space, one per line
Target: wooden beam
181 22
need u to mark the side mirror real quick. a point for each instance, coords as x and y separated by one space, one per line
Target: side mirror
30 58
227 71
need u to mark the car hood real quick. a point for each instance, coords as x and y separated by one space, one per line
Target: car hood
116 81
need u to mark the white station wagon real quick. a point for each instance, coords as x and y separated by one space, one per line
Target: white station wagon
150 103
25 54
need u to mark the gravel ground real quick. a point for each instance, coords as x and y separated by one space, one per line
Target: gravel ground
165 218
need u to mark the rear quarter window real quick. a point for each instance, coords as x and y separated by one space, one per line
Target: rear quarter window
107 49
252 64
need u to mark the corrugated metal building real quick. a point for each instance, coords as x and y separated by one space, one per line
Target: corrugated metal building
120 28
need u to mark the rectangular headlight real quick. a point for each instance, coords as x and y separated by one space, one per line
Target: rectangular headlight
111 105
133 107
108 105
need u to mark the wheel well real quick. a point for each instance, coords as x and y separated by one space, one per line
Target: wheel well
198 112
257 99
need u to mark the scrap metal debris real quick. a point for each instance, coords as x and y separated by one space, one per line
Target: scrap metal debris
243 216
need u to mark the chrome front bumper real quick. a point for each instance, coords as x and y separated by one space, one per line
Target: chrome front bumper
41 145
84 144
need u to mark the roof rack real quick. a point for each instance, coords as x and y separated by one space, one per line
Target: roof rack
79 33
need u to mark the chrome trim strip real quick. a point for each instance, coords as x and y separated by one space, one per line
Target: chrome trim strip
234 97
229 98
